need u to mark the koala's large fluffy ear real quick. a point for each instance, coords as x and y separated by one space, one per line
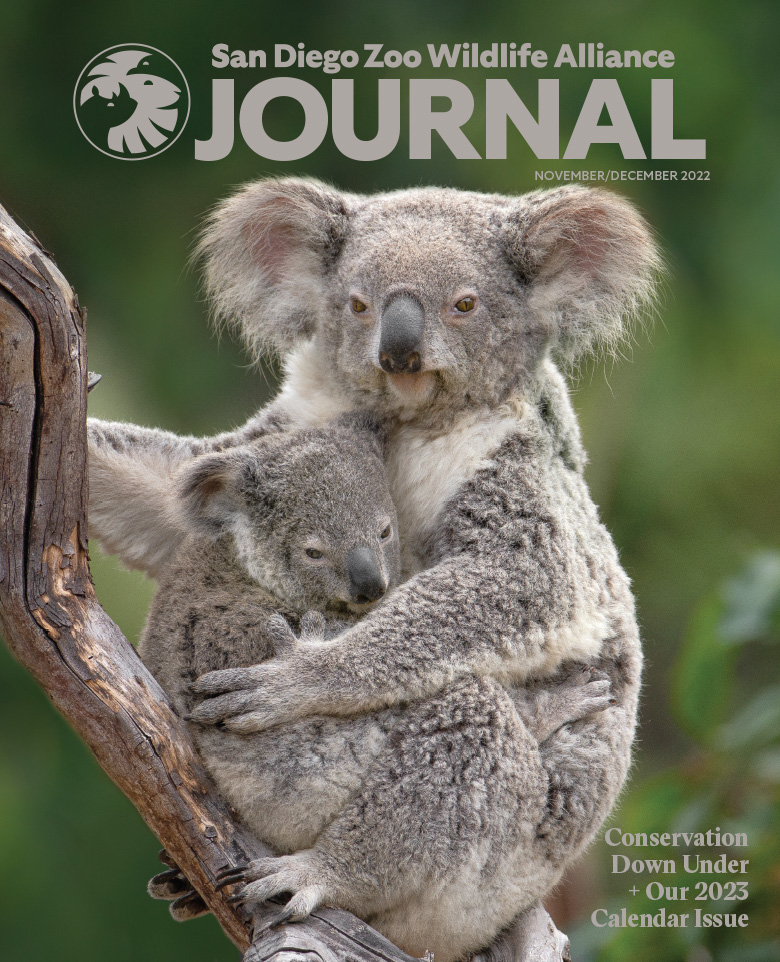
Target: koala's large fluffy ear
591 263
208 493
266 251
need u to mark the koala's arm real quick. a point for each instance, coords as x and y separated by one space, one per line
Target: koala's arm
132 509
527 579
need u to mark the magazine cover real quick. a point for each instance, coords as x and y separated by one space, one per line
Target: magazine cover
535 249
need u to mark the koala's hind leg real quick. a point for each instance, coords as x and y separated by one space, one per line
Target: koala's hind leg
431 851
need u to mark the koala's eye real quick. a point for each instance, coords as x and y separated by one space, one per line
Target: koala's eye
358 306
313 553
386 532
465 304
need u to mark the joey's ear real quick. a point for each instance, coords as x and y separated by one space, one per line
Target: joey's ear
591 263
365 427
208 493
267 250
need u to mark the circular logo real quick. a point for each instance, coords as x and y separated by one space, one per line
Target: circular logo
131 101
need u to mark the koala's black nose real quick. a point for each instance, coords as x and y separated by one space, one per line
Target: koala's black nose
400 341
365 579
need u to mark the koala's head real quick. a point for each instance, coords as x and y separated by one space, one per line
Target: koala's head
310 513
429 297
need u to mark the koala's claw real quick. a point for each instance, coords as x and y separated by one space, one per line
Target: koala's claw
189 906
230 875
168 885
164 856
280 919
174 887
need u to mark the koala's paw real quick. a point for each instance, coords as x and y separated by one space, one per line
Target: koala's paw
584 692
266 878
246 700
292 685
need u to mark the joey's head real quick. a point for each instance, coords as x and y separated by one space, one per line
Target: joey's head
309 511
430 300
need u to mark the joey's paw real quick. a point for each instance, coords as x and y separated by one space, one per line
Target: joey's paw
242 712
266 878
284 640
585 675
230 693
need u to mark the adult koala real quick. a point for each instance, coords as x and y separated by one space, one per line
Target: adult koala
441 311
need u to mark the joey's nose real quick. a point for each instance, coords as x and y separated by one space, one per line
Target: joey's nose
400 341
365 578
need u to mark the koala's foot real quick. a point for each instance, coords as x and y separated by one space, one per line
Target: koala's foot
174 887
532 937
269 877
584 691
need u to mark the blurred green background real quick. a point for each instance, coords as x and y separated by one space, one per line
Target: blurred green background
684 434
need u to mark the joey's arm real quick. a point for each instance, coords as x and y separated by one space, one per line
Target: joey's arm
522 589
131 501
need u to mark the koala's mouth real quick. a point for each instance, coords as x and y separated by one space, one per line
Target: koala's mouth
340 606
414 388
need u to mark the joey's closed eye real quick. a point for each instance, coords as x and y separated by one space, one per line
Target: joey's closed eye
313 553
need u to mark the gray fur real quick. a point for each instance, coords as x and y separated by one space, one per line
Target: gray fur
251 513
509 570
393 805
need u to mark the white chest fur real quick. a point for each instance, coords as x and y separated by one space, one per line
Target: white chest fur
426 471
308 395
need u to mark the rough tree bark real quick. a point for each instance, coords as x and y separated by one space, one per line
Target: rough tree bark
54 625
